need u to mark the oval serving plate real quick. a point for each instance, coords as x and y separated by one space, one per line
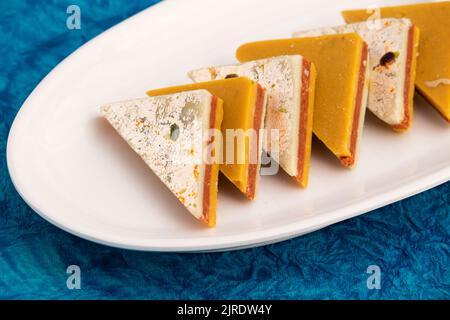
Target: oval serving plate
76 172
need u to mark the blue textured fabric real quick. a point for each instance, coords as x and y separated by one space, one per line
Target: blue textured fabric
408 240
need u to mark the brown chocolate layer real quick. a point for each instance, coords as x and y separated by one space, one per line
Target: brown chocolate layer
304 103
257 120
208 168
350 160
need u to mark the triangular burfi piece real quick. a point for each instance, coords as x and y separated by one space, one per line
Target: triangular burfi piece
289 81
244 105
341 86
392 63
168 133
433 63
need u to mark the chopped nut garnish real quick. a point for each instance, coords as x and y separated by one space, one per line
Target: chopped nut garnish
388 58
196 173
213 72
140 121
174 132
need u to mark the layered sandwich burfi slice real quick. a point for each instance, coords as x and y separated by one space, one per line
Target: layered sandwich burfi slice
341 85
289 81
392 64
433 63
168 133
244 105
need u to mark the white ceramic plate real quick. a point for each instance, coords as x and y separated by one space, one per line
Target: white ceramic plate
75 171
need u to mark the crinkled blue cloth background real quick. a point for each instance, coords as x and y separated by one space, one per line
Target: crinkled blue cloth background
408 240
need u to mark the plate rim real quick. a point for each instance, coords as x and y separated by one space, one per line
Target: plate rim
258 238
424 182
